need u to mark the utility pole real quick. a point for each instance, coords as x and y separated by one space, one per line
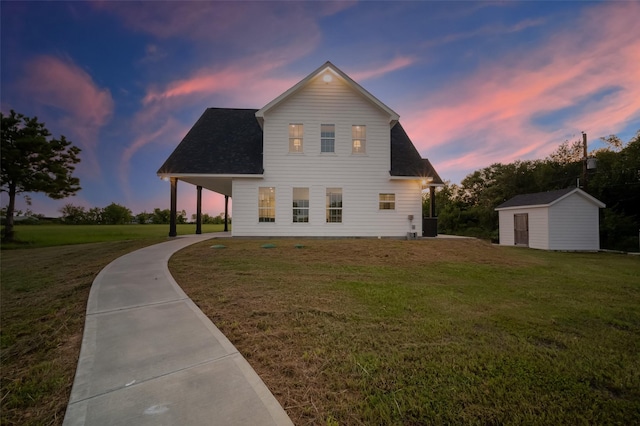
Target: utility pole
584 161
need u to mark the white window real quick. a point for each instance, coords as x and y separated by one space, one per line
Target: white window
327 138
334 205
387 201
359 139
266 204
300 205
296 133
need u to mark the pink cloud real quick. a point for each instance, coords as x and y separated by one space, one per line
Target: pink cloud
168 133
487 31
374 72
52 82
492 112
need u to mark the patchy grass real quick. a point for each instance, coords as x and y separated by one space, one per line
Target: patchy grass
361 332
42 312
34 236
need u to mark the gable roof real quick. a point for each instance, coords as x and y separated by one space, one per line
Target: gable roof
406 160
545 199
328 69
223 141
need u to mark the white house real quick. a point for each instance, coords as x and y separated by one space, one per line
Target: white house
567 219
325 158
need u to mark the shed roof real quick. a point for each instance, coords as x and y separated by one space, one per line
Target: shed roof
542 199
228 141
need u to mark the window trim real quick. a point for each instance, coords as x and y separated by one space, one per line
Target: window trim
296 132
336 210
327 139
270 206
361 139
386 204
299 208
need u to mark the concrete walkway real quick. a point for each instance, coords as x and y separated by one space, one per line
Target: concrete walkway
150 357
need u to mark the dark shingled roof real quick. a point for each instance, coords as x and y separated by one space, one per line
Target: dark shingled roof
539 198
223 141
229 141
405 158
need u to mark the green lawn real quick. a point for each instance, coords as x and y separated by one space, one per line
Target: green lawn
361 331
43 302
428 332
32 236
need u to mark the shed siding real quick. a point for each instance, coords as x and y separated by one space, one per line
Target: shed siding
574 224
538 226
361 176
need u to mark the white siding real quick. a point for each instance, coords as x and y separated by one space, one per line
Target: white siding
538 226
574 224
361 176
505 227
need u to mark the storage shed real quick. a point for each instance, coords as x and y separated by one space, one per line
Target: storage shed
566 219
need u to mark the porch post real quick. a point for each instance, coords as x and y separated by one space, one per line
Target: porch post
174 203
432 201
199 210
226 213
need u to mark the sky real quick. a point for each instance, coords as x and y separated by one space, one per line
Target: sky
474 83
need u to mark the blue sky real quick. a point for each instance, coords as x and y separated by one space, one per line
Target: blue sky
474 82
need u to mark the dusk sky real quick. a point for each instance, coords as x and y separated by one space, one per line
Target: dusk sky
475 83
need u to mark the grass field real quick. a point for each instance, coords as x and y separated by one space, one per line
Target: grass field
362 332
44 288
42 311
32 236
357 332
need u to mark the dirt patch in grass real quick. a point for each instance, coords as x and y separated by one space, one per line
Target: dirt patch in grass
367 331
43 305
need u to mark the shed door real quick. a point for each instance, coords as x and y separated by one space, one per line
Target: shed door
521 229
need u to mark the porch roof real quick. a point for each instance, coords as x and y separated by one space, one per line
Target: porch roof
224 141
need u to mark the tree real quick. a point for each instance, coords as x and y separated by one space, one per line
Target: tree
567 152
94 215
73 214
161 216
115 214
144 217
33 161
181 217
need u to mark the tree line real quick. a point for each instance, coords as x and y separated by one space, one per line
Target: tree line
469 208
116 214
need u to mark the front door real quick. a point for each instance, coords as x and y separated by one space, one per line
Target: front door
521 229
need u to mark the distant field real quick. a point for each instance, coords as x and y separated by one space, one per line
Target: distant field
32 236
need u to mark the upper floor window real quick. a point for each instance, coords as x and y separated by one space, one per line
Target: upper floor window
327 138
334 205
266 204
387 201
300 205
359 139
296 132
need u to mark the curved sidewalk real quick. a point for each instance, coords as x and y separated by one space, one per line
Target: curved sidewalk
150 357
